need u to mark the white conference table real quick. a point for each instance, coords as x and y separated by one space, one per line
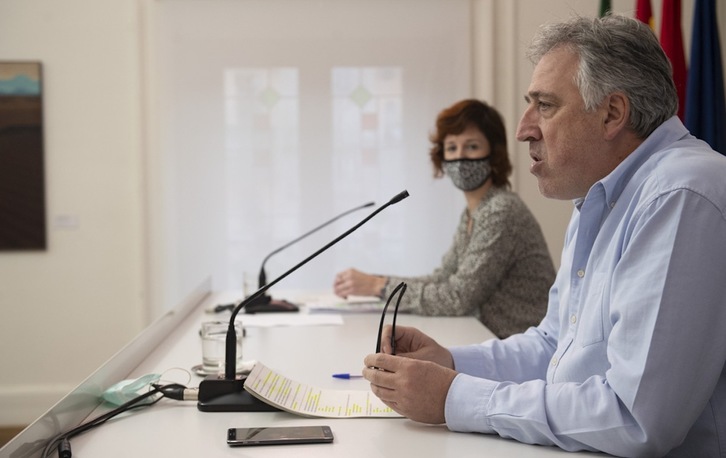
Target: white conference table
308 354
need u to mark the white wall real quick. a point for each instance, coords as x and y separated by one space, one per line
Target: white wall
64 311
87 294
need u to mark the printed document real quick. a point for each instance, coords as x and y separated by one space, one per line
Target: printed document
294 397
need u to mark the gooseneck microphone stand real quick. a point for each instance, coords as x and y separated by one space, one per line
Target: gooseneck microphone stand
227 394
264 303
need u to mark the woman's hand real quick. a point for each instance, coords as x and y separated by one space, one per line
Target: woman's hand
352 282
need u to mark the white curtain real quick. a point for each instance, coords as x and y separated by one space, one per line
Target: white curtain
276 115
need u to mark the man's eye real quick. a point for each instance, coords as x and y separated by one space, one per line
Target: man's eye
543 106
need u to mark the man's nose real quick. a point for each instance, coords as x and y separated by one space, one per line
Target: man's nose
527 129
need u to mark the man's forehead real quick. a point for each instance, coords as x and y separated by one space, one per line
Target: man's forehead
554 71
557 62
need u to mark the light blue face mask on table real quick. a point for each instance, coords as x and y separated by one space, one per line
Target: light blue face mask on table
126 390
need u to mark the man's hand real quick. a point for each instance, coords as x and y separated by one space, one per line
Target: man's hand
414 344
415 389
416 381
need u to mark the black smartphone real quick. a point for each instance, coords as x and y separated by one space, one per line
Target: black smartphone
277 435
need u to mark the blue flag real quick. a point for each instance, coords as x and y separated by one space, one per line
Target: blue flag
705 101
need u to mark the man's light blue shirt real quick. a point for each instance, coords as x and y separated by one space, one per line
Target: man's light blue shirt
630 357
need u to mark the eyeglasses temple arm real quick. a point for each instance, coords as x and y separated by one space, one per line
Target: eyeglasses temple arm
403 287
383 315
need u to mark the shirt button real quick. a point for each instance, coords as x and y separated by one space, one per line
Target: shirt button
612 204
555 361
581 273
573 319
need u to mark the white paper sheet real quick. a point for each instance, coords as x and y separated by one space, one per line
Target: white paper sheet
266 320
330 303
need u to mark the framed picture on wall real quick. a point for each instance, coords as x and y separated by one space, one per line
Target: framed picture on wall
22 180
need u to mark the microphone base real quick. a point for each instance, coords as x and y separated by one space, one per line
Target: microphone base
271 306
217 394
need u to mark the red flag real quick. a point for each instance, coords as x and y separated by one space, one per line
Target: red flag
644 13
671 39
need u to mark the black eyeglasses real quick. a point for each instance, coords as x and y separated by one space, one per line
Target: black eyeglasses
402 288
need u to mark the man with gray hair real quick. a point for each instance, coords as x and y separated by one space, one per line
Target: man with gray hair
629 359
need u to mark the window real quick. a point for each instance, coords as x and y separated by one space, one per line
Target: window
277 115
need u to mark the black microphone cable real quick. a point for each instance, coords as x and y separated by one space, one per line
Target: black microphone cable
172 391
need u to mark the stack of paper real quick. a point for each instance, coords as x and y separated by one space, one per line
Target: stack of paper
327 303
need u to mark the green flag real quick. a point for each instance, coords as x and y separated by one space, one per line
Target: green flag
605 7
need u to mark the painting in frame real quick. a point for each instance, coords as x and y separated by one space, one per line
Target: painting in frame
22 180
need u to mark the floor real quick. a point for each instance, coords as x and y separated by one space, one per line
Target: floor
8 432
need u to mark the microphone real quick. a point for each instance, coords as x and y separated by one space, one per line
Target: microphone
264 303
227 394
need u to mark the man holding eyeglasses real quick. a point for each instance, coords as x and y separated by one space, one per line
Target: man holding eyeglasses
629 359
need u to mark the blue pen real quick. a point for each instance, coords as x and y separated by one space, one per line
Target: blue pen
346 376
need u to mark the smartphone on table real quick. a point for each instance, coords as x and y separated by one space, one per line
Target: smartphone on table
278 435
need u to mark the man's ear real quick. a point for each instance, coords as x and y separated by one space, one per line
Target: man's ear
616 114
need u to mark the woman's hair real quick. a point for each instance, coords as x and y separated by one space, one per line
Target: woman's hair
460 116
617 54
